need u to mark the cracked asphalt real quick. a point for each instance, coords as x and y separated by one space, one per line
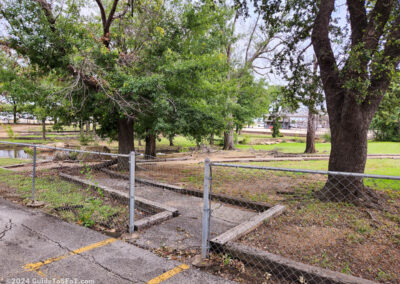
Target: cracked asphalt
35 248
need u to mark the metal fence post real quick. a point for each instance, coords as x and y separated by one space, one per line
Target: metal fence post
34 174
205 242
131 192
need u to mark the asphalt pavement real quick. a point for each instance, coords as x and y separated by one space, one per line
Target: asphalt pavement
39 248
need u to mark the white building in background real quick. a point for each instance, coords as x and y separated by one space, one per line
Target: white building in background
292 120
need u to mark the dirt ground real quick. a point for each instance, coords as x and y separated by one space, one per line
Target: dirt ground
370 252
20 128
359 241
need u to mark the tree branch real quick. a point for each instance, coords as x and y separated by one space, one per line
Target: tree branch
380 79
46 7
322 45
327 63
251 37
358 19
377 20
102 13
110 17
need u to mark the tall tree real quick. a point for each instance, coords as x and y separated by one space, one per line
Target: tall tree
56 37
357 50
354 90
247 54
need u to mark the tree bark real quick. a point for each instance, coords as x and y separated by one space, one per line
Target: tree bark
171 140
125 141
348 154
351 109
87 127
15 113
44 129
212 139
310 141
150 150
228 140
81 127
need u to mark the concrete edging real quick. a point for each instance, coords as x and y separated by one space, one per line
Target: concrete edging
291 269
163 212
257 206
279 265
248 226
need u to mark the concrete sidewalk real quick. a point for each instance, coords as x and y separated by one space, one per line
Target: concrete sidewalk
40 247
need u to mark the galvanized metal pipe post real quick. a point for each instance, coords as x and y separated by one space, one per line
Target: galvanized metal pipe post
205 241
131 192
33 174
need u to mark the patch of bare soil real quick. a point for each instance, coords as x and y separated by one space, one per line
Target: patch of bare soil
340 239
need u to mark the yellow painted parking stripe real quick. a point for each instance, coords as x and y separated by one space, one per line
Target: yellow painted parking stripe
168 274
35 266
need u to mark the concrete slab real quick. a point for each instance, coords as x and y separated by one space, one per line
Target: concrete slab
184 231
34 237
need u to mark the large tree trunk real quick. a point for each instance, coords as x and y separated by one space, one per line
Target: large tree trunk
44 129
310 141
351 108
228 140
171 140
15 113
125 141
81 127
212 139
150 151
87 127
348 154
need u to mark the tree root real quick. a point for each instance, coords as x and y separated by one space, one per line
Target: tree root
360 196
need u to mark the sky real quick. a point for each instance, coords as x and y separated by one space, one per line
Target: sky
243 30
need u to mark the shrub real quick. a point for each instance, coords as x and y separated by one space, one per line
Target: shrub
245 140
10 132
326 137
85 139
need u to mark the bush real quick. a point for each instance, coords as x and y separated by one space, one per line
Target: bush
29 151
299 140
245 140
386 130
10 132
326 137
85 139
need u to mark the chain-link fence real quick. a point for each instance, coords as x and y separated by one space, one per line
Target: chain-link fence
180 172
306 226
89 187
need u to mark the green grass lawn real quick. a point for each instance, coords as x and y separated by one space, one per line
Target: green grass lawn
56 192
184 143
36 141
374 166
12 161
324 148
